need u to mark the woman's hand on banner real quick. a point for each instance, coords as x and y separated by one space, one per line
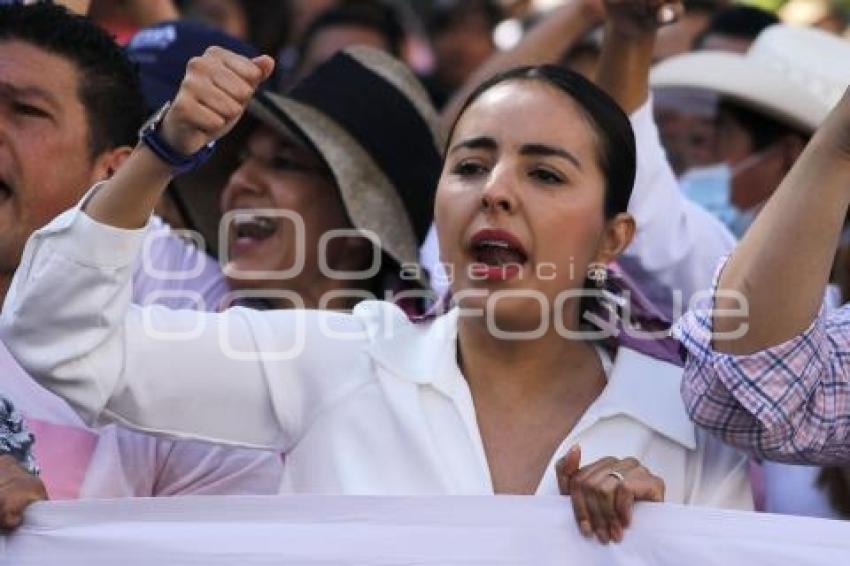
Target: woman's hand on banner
604 493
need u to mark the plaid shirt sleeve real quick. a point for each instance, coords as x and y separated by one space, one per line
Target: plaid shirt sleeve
789 403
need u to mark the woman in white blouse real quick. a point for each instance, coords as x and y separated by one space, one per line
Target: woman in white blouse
483 399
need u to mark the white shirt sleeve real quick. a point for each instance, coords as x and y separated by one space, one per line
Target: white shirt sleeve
241 377
677 243
174 272
720 476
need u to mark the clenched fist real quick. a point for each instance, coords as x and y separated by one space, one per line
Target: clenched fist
214 94
637 17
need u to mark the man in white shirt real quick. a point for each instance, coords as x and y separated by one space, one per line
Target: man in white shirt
70 107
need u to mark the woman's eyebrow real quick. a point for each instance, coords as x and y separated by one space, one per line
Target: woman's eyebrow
481 142
549 151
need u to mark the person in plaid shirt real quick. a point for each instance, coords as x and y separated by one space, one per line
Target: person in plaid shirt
776 382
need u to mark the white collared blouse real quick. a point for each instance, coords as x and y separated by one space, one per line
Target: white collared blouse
362 403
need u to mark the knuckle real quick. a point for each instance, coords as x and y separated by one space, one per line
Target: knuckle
254 74
631 462
186 85
9 521
245 95
19 483
195 64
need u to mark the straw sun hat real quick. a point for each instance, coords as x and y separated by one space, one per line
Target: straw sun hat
373 124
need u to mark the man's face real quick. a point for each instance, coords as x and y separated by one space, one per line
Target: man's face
758 173
45 160
687 136
462 48
331 40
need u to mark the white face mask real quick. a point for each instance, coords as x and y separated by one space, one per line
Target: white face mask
711 188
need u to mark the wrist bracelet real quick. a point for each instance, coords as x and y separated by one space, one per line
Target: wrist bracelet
15 439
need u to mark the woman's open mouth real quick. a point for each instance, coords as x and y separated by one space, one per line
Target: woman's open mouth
249 229
498 255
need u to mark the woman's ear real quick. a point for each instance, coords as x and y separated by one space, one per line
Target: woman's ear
618 234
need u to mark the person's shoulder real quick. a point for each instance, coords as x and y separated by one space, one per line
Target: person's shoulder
167 248
415 350
381 312
389 321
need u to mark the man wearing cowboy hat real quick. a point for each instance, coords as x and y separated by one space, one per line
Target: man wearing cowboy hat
771 99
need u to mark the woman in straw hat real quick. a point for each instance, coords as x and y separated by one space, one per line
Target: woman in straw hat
485 398
326 208
330 160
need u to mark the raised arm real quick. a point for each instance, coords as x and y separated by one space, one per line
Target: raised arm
69 321
677 244
777 382
630 30
545 43
782 265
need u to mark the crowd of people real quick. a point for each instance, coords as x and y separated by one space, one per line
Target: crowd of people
351 247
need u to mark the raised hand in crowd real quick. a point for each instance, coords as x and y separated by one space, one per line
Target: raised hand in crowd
626 58
786 256
18 489
639 17
604 493
765 371
214 94
544 44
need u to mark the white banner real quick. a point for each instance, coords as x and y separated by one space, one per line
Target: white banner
247 531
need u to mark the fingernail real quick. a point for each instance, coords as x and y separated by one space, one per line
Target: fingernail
617 533
602 535
584 527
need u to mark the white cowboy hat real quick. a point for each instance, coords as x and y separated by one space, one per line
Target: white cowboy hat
793 74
